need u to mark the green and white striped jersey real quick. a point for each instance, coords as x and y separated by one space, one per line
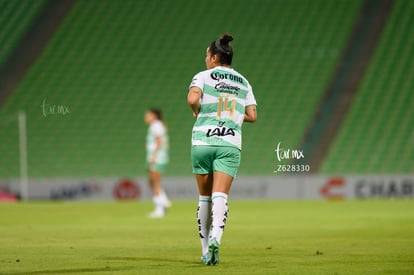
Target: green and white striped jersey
157 129
226 93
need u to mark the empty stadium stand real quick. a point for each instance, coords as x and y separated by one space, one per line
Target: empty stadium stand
111 60
378 134
15 18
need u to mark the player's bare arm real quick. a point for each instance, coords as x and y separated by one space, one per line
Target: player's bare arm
250 114
193 98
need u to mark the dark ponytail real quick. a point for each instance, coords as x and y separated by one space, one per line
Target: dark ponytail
157 113
223 49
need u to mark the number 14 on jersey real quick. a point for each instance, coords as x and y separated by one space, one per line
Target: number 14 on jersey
224 105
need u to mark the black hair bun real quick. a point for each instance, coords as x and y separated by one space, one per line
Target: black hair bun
226 39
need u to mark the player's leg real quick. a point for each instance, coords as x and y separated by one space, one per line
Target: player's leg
204 183
167 203
150 181
201 157
155 183
161 168
220 211
154 179
226 165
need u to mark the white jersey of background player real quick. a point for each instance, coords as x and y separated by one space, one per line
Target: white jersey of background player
157 160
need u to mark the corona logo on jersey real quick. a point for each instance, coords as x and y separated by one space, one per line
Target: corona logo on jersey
220 75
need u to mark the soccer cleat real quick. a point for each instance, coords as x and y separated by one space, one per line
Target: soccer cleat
204 258
156 215
213 252
167 204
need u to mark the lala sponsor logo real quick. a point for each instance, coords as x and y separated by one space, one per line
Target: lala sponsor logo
220 132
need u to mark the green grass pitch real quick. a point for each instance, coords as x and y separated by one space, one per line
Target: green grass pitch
261 237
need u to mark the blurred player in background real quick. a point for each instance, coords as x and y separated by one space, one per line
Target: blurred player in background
157 160
221 99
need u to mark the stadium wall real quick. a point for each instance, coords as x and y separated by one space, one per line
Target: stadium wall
182 188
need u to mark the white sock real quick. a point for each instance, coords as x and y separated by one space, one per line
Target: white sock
164 198
220 211
204 221
158 203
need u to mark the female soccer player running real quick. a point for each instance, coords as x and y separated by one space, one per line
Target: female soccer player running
221 99
157 160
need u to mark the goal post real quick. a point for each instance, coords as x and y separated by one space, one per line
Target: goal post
23 163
